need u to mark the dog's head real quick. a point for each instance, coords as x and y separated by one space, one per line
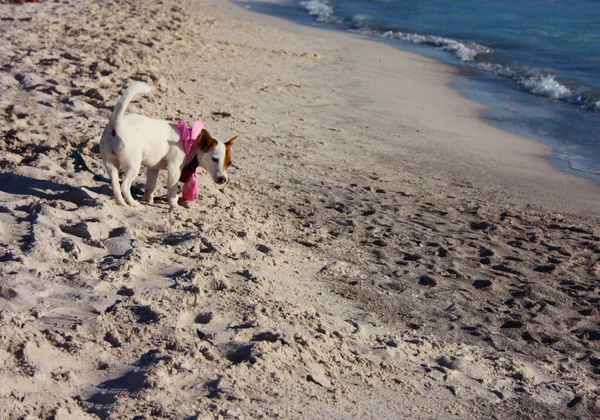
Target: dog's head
214 156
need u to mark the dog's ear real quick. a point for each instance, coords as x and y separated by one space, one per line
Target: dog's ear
206 141
228 152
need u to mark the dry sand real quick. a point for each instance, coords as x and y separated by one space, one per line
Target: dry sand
379 252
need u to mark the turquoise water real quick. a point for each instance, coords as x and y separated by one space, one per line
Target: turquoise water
538 59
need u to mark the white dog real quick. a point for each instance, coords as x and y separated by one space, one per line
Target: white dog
131 140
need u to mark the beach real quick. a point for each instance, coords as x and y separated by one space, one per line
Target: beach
379 252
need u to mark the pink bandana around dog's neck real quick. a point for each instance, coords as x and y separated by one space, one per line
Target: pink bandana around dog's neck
189 137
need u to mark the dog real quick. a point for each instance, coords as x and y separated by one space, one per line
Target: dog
131 140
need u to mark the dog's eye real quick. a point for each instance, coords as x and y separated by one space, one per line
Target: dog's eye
216 160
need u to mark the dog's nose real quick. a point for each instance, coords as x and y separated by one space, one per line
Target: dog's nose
221 180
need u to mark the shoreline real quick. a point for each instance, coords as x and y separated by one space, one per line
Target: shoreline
493 115
371 256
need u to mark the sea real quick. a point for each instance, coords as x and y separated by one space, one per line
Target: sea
535 63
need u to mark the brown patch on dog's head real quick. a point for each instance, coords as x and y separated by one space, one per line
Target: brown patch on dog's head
206 141
228 152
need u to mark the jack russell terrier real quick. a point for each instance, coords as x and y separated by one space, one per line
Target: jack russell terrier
130 141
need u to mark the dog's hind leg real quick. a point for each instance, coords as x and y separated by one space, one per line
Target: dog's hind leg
151 181
130 173
113 173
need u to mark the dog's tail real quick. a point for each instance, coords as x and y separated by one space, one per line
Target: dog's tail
134 89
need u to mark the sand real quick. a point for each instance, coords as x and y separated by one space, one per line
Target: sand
379 251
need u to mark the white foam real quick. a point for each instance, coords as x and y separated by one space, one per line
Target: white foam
321 9
546 86
464 51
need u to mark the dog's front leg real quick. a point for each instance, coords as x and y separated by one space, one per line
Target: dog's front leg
173 174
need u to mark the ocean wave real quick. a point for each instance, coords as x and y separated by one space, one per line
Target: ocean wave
464 51
537 82
547 86
577 162
321 9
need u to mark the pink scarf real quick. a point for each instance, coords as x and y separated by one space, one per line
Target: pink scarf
190 145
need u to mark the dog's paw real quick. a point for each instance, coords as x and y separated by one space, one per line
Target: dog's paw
184 203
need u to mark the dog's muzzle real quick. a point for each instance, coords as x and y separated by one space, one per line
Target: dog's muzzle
221 180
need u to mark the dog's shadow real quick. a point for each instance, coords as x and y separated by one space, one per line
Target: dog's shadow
24 185
103 189
50 190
